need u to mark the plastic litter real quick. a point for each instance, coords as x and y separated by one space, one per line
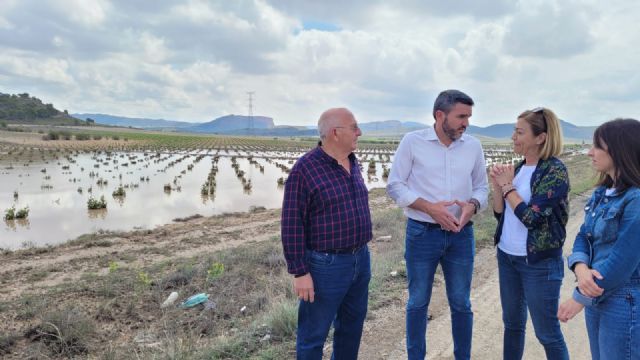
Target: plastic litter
209 305
170 300
194 300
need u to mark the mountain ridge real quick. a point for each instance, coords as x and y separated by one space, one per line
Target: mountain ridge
264 126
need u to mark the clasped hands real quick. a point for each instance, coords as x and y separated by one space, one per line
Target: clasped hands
587 286
440 214
501 175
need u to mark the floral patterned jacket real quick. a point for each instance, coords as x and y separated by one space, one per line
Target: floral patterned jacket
546 214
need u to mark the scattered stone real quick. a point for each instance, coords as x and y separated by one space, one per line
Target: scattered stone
393 273
266 338
384 238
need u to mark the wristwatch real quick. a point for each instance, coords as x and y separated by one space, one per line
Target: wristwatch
476 205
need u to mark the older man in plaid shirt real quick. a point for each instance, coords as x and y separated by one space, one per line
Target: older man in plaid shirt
326 225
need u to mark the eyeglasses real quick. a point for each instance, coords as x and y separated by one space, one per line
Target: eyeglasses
540 110
355 127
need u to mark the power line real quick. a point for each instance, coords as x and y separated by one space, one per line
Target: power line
250 94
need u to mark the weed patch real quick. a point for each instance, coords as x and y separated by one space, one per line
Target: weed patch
65 332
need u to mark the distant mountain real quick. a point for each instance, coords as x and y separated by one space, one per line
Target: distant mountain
141 123
26 109
264 126
569 131
234 123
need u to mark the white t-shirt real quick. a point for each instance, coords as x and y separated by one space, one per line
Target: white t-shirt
513 239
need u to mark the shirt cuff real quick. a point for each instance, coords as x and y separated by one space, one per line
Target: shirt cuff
408 199
577 257
297 267
582 299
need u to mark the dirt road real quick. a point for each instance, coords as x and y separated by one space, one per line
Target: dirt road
384 334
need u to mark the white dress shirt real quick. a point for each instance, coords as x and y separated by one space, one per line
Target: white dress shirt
425 168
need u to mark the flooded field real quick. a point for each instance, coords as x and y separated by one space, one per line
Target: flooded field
141 189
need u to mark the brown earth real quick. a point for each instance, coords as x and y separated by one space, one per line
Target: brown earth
383 338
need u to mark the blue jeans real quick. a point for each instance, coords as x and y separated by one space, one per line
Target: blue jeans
535 287
614 325
425 248
341 286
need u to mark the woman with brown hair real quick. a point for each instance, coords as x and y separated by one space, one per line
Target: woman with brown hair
606 252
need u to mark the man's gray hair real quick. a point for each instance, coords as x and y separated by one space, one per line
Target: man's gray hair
328 120
448 99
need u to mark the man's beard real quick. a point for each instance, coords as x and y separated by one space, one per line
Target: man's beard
451 132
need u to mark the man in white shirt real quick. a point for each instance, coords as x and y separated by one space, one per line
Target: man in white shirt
439 178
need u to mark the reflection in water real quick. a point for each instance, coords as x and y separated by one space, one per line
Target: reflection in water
97 214
14 224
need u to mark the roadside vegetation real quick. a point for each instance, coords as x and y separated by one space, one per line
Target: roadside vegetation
112 310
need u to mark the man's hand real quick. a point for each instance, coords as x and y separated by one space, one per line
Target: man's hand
439 212
303 288
467 212
569 309
586 282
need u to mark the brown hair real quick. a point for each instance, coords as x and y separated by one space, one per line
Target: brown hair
543 120
620 138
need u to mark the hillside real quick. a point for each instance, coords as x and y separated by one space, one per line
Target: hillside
25 109
123 121
569 131
232 123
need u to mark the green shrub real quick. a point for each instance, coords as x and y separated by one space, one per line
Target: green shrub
52 135
215 271
119 192
283 320
83 137
12 214
94 204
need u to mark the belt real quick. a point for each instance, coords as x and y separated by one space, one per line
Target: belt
435 226
351 250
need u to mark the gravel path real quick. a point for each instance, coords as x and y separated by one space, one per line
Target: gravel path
384 334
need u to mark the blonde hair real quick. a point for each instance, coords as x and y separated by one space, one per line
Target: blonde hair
543 120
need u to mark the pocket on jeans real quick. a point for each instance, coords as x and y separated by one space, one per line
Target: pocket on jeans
320 258
415 229
555 268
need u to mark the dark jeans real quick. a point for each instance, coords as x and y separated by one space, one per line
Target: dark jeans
614 325
535 287
425 248
341 285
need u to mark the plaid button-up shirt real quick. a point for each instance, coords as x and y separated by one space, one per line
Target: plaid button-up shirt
324 208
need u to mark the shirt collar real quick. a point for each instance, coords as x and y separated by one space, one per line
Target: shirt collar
326 157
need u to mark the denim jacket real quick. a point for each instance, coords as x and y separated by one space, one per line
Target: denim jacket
546 214
609 241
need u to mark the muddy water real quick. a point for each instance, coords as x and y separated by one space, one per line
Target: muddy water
57 198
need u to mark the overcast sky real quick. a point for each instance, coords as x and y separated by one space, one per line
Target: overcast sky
196 60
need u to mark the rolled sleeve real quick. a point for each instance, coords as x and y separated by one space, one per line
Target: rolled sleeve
582 299
479 180
624 257
397 187
576 258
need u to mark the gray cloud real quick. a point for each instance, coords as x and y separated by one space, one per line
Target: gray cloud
550 31
195 60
